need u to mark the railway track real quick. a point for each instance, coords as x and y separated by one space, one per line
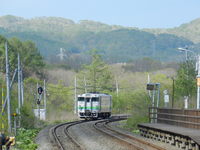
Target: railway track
62 139
127 140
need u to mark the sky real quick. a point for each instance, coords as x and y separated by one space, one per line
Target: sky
130 13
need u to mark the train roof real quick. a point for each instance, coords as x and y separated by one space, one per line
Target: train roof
93 95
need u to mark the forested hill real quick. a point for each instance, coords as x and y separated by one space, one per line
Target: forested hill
115 43
189 30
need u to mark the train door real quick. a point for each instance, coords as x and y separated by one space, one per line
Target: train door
95 104
88 106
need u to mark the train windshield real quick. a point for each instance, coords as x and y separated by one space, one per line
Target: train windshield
80 98
87 99
95 99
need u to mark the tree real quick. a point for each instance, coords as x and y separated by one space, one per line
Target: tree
186 79
97 75
32 61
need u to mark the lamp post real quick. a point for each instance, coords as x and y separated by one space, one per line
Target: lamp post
172 91
197 57
186 50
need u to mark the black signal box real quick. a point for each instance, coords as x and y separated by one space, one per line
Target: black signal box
40 90
152 86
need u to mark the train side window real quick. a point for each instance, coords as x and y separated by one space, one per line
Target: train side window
80 98
95 99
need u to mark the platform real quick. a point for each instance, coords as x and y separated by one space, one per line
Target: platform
194 134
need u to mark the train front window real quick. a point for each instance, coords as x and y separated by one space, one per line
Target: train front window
80 99
95 99
87 99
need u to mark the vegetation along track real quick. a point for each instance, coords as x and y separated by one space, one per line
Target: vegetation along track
127 140
61 136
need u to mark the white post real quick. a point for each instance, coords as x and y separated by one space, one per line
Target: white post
198 94
8 89
166 98
75 84
198 81
186 102
117 87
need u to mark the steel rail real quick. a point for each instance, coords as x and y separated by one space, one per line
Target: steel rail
56 137
71 137
66 131
134 142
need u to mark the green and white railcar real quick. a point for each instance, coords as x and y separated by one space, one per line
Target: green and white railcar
94 105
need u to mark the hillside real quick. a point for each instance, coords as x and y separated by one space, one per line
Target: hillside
190 31
115 43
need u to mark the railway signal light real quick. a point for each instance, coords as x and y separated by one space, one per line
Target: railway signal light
40 90
38 102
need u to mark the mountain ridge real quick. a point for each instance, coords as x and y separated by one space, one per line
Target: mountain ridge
116 43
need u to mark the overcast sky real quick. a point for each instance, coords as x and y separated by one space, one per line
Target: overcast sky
133 13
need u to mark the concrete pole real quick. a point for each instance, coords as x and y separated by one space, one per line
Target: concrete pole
45 99
117 88
19 89
158 96
198 96
38 105
2 101
153 104
8 89
22 87
75 91
19 84
173 92
198 82
85 85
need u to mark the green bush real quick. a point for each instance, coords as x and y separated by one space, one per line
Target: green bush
27 117
25 139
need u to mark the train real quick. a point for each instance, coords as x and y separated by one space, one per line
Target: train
94 105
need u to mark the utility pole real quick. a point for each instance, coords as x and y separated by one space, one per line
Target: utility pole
22 87
75 84
198 81
117 87
45 99
173 92
19 84
19 89
38 102
8 89
85 84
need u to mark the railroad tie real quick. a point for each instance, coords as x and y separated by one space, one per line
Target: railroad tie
193 145
196 146
183 141
167 138
190 144
177 141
